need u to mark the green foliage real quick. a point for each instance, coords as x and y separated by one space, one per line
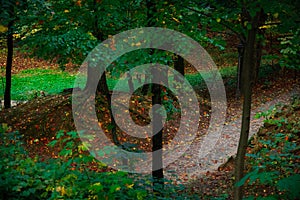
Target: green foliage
266 70
275 163
70 176
55 29
291 51
267 114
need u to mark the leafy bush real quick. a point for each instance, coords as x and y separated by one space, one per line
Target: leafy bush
276 163
290 51
70 176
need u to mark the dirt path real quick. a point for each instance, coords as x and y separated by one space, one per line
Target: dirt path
190 166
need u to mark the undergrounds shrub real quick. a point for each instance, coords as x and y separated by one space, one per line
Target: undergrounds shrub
70 176
275 156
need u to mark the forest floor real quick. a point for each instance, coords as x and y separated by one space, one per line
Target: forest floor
189 166
40 119
213 176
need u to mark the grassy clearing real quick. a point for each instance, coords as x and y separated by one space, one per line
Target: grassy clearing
29 83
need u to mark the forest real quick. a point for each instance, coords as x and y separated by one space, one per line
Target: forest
148 99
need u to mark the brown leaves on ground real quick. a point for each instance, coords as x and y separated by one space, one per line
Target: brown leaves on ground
220 183
23 62
41 118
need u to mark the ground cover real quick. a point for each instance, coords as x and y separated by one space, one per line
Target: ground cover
39 121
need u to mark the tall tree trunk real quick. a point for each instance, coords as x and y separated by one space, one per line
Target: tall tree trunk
248 65
241 48
157 164
10 49
179 66
92 80
130 83
259 45
258 56
146 87
102 87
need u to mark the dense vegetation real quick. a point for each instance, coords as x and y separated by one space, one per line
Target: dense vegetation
255 45
272 167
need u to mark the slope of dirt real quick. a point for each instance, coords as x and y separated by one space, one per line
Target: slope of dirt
40 119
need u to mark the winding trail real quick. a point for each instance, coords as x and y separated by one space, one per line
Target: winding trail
190 166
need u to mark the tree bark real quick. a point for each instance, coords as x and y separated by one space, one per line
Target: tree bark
102 86
248 65
241 47
157 164
130 84
102 89
92 80
9 60
146 87
258 56
179 66
259 45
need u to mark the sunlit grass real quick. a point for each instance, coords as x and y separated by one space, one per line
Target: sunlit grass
30 83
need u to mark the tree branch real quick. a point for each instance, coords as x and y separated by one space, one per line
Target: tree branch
222 23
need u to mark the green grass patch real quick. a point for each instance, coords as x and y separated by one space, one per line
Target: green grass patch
29 83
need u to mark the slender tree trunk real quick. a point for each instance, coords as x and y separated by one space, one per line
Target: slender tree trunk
102 87
146 87
258 56
10 49
259 45
179 66
92 80
130 84
241 47
157 164
248 65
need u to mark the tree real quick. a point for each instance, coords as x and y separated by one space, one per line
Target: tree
10 50
179 66
56 30
62 34
245 19
248 63
254 15
157 162
8 14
